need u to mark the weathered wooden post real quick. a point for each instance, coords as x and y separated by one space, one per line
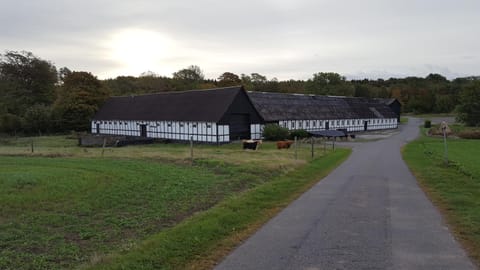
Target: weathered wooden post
31 145
104 144
312 142
295 146
191 150
444 129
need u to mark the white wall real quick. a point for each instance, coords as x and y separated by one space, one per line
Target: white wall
174 130
349 124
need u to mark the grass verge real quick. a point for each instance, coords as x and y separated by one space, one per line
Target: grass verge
200 241
455 189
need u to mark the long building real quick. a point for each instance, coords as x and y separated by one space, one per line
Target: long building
213 116
313 113
224 114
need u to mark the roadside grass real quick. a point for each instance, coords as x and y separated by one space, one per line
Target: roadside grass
64 206
200 241
404 120
456 188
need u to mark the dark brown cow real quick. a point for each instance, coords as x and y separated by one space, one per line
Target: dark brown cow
284 144
251 144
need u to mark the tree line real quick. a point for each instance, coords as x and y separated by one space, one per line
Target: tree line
36 97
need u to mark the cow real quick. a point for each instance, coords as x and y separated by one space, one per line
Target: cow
251 144
284 144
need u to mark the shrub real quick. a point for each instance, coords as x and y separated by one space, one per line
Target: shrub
299 133
428 124
274 132
469 134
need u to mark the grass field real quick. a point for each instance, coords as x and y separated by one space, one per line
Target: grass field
64 206
456 188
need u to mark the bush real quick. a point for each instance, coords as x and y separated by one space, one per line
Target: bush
299 133
274 132
469 134
428 124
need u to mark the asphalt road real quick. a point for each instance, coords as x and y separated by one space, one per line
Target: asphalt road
367 214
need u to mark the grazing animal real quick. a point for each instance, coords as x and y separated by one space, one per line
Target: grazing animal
251 144
284 144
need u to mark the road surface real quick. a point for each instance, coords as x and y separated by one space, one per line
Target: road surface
367 214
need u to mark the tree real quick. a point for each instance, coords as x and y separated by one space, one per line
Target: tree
188 78
28 80
228 79
38 118
78 99
10 123
469 108
192 74
329 83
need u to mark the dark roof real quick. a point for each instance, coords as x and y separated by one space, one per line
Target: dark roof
279 106
194 105
387 101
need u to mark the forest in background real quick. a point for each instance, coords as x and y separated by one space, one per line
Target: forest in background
38 98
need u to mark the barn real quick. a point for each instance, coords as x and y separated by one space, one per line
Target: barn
315 113
394 105
212 116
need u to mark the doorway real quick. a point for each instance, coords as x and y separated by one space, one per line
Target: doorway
143 131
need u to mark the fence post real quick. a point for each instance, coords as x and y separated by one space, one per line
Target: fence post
444 128
295 144
311 140
191 150
31 145
104 144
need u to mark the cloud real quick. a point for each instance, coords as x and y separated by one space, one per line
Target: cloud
284 38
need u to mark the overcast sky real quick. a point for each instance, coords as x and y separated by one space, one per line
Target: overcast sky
287 39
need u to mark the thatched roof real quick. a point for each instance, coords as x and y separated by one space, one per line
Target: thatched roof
195 105
279 106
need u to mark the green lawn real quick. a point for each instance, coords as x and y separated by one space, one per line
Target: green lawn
456 188
64 206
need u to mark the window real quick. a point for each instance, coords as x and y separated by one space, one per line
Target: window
300 124
336 122
293 124
194 125
314 123
307 124
209 126
181 125
169 124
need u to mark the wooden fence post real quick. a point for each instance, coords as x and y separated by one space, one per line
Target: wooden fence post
311 139
103 146
191 150
295 146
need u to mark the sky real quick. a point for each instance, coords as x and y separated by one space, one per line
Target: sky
286 39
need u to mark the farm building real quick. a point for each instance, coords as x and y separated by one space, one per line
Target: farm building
224 114
394 105
213 116
314 113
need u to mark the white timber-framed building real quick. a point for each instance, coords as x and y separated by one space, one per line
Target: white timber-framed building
212 116
315 113
222 115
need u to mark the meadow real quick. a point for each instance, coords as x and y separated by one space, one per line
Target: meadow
64 206
454 188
